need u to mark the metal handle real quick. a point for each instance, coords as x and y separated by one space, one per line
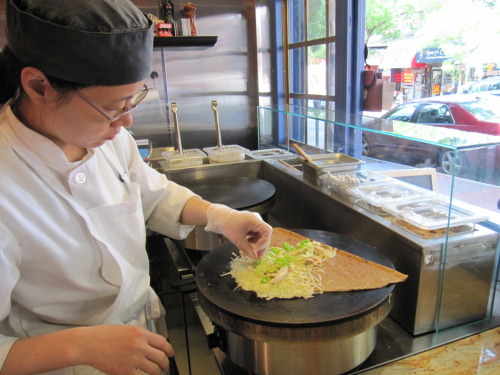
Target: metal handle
217 127
176 128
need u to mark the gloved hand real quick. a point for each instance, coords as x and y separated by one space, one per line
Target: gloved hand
245 229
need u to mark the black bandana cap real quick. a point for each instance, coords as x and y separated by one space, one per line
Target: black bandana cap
93 42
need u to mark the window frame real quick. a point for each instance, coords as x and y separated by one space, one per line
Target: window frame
288 46
346 98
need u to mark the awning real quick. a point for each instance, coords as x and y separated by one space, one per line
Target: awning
399 54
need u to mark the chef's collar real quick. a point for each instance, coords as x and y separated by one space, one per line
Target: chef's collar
104 42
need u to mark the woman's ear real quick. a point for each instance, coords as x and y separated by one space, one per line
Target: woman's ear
36 86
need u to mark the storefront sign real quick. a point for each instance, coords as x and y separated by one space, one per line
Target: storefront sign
431 55
408 77
436 89
491 69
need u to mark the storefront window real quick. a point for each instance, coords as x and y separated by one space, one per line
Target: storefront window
310 42
447 45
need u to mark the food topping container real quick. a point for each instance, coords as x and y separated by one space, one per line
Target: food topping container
268 153
332 163
340 182
226 154
430 218
433 233
221 153
188 158
376 196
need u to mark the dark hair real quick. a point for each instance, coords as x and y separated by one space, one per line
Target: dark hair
10 77
10 74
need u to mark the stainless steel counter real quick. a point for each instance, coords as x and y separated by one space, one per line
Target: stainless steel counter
437 292
393 342
441 280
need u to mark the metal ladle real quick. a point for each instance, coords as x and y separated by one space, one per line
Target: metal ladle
217 127
176 129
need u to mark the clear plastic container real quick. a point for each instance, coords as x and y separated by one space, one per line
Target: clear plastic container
227 154
435 213
433 233
188 158
376 196
340 182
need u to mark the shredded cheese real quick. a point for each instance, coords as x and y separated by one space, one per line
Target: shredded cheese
285 272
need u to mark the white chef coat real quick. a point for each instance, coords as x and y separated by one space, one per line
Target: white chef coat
72 235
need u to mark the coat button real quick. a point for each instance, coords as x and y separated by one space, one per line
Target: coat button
80 178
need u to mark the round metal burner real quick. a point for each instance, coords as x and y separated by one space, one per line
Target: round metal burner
336 331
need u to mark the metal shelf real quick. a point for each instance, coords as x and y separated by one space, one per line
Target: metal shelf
185 41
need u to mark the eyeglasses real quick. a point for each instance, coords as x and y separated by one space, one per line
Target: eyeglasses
136 99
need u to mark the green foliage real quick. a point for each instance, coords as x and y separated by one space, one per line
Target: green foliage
392 19
459 27
316 27
316 22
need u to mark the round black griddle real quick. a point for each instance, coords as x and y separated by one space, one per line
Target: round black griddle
239 193
320 309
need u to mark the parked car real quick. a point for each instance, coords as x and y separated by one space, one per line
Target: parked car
469 112
487 84
474 114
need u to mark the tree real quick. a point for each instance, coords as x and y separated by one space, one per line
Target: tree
460 27
393 19
467 30
316 26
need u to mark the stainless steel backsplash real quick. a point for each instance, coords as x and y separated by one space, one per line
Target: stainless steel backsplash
229 72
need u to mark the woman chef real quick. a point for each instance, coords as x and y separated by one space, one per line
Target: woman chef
77 197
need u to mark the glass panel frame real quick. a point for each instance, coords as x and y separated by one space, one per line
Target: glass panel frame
456 267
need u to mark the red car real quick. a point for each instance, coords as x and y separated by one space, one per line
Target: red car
466 112
469 112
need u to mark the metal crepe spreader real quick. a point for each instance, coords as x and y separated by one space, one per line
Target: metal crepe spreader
220 153
180 157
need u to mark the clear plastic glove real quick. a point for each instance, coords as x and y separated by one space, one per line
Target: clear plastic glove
245 229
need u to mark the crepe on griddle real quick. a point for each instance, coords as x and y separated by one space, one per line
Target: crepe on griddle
345 271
